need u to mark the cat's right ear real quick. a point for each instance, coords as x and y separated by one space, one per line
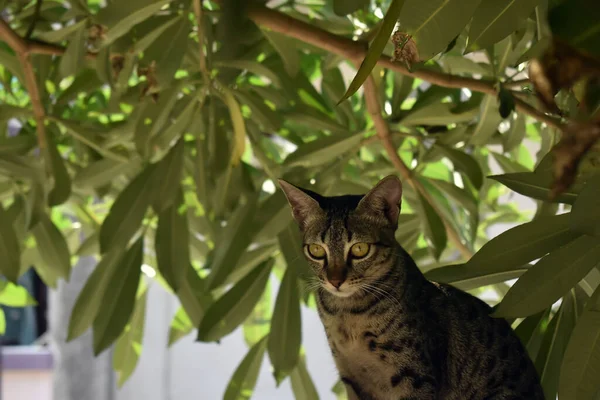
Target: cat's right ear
303 205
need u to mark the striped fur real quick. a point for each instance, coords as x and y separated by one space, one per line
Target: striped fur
393 334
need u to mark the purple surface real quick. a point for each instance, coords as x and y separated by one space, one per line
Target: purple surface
26 358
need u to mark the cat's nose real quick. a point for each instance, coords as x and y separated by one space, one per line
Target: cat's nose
336 282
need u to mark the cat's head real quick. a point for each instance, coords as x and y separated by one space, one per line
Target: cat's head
348 240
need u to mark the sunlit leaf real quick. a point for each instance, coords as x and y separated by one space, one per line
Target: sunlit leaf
241 385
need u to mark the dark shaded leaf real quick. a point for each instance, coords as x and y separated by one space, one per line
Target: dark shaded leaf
72 60
285 337
92 295
127 212
118 306
302 385
585 216
345 7
287 49
533 185
550 278
167 178
464 163
322 151
468 277
433 227
52 247
10 252
172 245
228 312
61 191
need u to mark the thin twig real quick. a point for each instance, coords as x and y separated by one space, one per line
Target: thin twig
384 134
36 16
20 46
199 12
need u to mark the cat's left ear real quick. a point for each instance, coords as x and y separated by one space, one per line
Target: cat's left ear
385 198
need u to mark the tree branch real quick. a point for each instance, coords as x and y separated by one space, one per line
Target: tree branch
383 131
356 51
21 47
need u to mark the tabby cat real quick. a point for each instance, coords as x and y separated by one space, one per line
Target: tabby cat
394 334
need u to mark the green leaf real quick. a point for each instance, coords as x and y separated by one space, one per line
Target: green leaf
287 49
321 151
345 7
302 385
59 35
551 277
119 303
495 20
10 251
181 326
53 248
433 227
258 323
92 296
581 361
228 312
73 59
242 383
2 322
554 344
129 345
464 163
515 135
104 171
290 244
145 42
461 196
236 237
239 128
61 190
120 18
127 212
489 119
165 137
585 216
438 114
20 144
13 295
285 337
251 66
172 245
167 178
376 48
509 166
434 25
524 243
534 185
576 22
19 167
468 277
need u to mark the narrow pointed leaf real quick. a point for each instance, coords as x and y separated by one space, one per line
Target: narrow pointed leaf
228 312
119 301
376 48
235 239
322 151
127 212
239 128
550 278
72 60
494 20
181 326
468 277
172 246
287 50
285 337
10 251
242 383
586 210
52 247
432 25
581 362
166 178
524 243
533 185
12 295
61 191
464 163
489 119
433 227
302 384
92 295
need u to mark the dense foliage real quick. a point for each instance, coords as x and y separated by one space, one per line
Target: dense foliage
151 133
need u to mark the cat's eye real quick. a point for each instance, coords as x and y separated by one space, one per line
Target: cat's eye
316 251
359 250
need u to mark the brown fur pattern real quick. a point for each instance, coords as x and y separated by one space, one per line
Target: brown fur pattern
393 334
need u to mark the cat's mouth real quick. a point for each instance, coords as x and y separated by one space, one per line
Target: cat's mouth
344 290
